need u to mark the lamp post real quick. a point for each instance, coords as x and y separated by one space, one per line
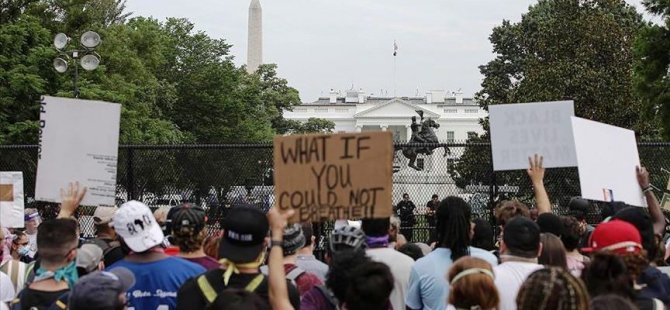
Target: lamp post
85 55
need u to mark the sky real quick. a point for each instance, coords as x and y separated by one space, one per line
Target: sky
320 45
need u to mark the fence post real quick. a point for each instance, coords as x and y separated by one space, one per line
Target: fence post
130 187
493 192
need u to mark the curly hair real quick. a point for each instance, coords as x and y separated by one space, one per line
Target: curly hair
340 273
572 232
370 287
508 209
474 290
188 239
552 288
608 274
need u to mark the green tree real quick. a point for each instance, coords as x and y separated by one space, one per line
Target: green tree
561 50
653 68
312 125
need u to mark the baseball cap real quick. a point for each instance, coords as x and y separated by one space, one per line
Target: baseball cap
187 216
294 239
521 234
245 229
104 215
617 236
102 289
89 256
137 226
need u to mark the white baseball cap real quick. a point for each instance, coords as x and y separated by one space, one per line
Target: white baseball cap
137 226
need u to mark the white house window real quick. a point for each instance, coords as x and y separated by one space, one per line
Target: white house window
471 110
341 110
450 137
450 110
321 110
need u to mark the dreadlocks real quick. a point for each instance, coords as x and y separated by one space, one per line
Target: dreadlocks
552 289
453 226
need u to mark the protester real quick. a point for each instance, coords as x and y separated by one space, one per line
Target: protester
369 288
345 251
7 291
412 250
405 211
306 259
472 285
211 246
105 236
15 268
102 290
552 288
293 240
242 252
553 252
519 248
396 239
579 208
377 239
611 302
430 217
89 259
140 232
32 222
509 209
278 291
428 287
550 223
188 232
57 245
608 274
483 235
572 232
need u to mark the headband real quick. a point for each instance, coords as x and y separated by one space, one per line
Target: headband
472 271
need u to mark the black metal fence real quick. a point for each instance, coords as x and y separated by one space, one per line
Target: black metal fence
219 176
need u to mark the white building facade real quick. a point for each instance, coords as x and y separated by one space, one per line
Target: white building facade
354 111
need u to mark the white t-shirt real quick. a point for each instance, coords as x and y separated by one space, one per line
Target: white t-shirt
509 278
7 292
401 267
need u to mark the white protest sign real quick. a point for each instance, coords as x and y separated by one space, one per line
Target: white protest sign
607 156
79 141
11 199
522 129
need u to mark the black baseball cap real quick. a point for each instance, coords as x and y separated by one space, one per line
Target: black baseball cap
187 216
245 230
521 234
101 289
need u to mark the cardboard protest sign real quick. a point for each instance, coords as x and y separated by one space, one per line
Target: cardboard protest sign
607 158
665 202
339 176
11 199
79 141
524 129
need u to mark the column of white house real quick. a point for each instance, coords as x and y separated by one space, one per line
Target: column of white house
359 128
384 127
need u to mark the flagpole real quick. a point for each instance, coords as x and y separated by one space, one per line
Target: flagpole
395 52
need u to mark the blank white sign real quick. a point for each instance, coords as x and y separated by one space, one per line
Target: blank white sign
523 129
607 156
11 199
79 141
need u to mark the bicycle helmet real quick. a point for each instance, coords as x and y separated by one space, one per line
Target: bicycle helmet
346 237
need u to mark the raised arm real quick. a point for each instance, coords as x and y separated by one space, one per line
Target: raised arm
70 199
536 174
277 278
654 207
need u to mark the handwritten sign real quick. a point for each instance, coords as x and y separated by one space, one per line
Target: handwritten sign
79 141
340 176
607 157
11 199
523 129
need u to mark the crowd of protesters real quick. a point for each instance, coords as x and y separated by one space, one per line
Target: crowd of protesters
166 260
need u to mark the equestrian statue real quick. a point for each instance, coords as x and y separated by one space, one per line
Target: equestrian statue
422 132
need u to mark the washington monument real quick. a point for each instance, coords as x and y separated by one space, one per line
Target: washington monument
255 40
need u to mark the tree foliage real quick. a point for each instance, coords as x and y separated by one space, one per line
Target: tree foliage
579 50
175 84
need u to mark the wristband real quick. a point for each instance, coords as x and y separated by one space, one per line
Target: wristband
648 189
274 243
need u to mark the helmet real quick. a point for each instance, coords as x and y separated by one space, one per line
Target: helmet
347 236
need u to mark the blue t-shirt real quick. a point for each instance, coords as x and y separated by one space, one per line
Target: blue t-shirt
428 286
157 283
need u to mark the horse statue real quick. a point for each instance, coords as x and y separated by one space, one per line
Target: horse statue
421 133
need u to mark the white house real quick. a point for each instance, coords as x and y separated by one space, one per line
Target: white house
353 111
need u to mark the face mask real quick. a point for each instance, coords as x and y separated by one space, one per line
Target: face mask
24 250
68 274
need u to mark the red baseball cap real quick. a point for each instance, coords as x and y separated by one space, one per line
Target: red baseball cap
616 236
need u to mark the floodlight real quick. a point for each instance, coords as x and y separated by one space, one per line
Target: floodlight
90 39
90 62
60 65
60 40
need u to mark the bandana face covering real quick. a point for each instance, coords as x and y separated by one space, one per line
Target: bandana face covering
232 267
68 274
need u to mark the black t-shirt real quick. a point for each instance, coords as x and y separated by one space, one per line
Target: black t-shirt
40 299
190 297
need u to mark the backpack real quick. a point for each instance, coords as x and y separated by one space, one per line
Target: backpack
294 274
330 297
210 293
104 245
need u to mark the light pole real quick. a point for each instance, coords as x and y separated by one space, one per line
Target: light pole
85 55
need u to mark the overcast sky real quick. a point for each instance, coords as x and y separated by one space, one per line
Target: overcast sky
324 44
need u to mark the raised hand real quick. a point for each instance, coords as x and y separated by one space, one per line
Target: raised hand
70 199
642 177
536 170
